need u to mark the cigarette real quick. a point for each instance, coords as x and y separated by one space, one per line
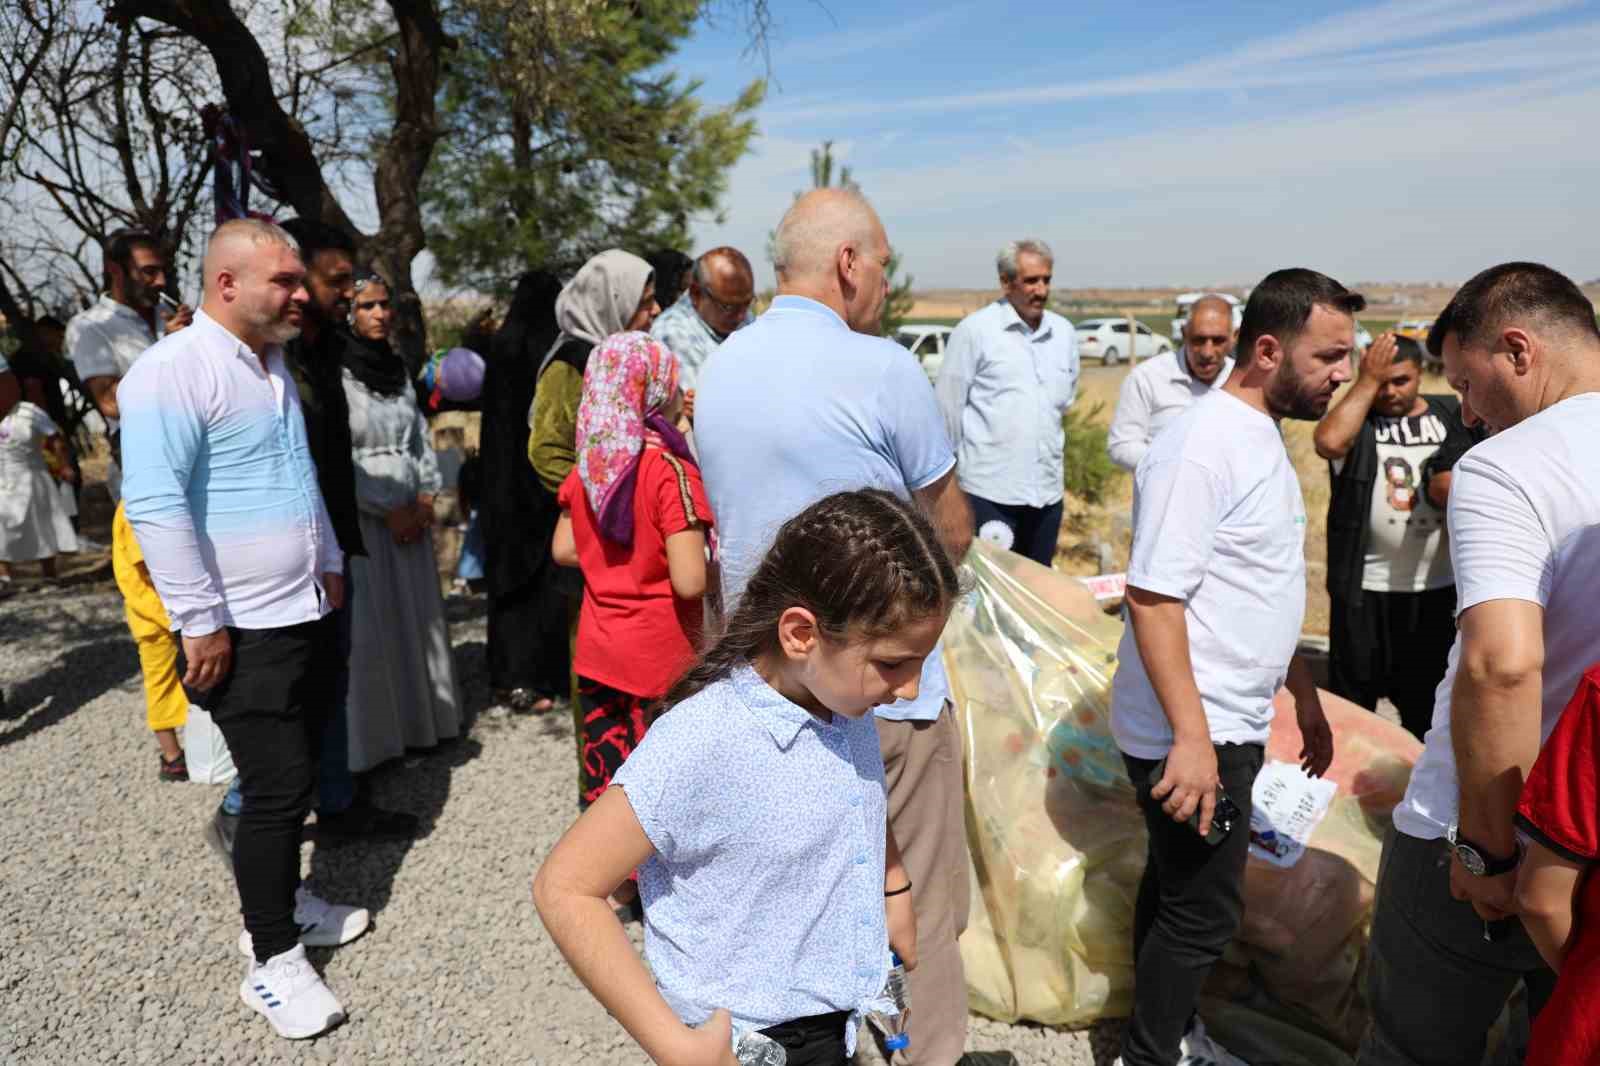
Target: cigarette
167 300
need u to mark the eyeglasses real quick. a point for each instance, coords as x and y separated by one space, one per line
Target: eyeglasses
725 308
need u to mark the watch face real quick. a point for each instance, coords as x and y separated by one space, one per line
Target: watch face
1471 860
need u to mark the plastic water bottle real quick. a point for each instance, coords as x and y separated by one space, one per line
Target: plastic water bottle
756 1049
894 1025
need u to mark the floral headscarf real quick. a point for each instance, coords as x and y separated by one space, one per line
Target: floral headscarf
630 378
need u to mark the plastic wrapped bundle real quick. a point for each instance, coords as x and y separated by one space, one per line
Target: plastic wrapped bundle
1058 845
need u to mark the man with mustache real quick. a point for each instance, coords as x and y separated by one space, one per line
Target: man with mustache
1010 372
1158 390
222 495
1216 596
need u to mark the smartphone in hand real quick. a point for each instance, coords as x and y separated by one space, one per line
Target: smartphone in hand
1223 816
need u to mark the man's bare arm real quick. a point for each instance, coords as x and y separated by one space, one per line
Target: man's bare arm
1161 632
1495 711
103 391
947 508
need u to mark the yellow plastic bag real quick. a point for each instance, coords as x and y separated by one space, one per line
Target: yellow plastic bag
1058 845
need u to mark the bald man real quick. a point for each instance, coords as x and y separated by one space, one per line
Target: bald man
222 495
721 288
1159 390
806 402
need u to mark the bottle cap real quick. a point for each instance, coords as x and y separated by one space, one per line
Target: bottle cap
894 958
897 1042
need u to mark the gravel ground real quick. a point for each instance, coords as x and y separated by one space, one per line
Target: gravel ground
119 926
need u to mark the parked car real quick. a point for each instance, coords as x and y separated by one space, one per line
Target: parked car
1106 339
927 342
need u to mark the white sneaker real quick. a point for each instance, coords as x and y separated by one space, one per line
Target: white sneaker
322 924
1198 1049
289 994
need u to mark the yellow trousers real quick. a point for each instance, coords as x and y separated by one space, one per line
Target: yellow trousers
166 706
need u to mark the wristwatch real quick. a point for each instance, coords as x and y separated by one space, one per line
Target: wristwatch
1478 862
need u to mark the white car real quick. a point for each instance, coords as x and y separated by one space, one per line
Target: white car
927 342
1106 339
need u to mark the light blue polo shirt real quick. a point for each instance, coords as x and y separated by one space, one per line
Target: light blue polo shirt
795 407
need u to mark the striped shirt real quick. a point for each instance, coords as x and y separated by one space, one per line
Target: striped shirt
219 484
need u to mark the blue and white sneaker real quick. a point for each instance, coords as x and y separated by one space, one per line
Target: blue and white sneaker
322 924
289 993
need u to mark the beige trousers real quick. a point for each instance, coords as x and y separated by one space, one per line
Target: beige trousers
922 768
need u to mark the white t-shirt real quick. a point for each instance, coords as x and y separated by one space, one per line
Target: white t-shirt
1218 522
1407 546
1524 525
103 341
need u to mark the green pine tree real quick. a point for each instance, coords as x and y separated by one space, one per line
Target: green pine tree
567 137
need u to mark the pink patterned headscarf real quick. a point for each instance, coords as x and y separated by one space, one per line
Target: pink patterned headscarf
629 379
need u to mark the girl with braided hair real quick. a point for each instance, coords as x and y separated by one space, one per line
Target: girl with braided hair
755 808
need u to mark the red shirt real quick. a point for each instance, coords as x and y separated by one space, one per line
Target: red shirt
634 634
1560 808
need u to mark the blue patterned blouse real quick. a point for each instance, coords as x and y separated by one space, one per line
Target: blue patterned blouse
765 895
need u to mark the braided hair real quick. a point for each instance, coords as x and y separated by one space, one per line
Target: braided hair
863 563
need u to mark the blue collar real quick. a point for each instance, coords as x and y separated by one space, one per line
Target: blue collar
782 719
807 305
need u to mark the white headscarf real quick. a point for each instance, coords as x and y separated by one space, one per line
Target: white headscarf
600 299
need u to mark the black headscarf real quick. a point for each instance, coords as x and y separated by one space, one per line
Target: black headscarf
375 364
672 271
518 516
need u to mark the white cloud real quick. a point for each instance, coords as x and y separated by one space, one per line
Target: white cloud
1370 47
1428 187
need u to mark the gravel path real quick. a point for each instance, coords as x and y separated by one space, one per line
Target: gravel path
118 926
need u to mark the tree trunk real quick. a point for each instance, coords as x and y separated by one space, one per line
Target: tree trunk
288 163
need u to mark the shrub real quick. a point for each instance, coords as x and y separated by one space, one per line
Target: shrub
1089 471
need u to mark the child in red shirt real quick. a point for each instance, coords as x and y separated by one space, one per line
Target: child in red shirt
635 519
1558 898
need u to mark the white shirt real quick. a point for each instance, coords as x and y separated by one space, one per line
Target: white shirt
104 340
1524 522
220 487
1003 390
1219 523
1153 394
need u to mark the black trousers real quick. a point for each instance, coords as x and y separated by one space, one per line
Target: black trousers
1190 902
1029 531
1395 645
814 1041
272 708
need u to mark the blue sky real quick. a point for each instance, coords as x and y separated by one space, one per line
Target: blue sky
1163 143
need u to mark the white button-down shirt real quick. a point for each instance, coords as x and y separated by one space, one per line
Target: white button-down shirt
220 486
1004 390
1153 394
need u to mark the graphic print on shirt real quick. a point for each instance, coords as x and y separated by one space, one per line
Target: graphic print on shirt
1407 549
